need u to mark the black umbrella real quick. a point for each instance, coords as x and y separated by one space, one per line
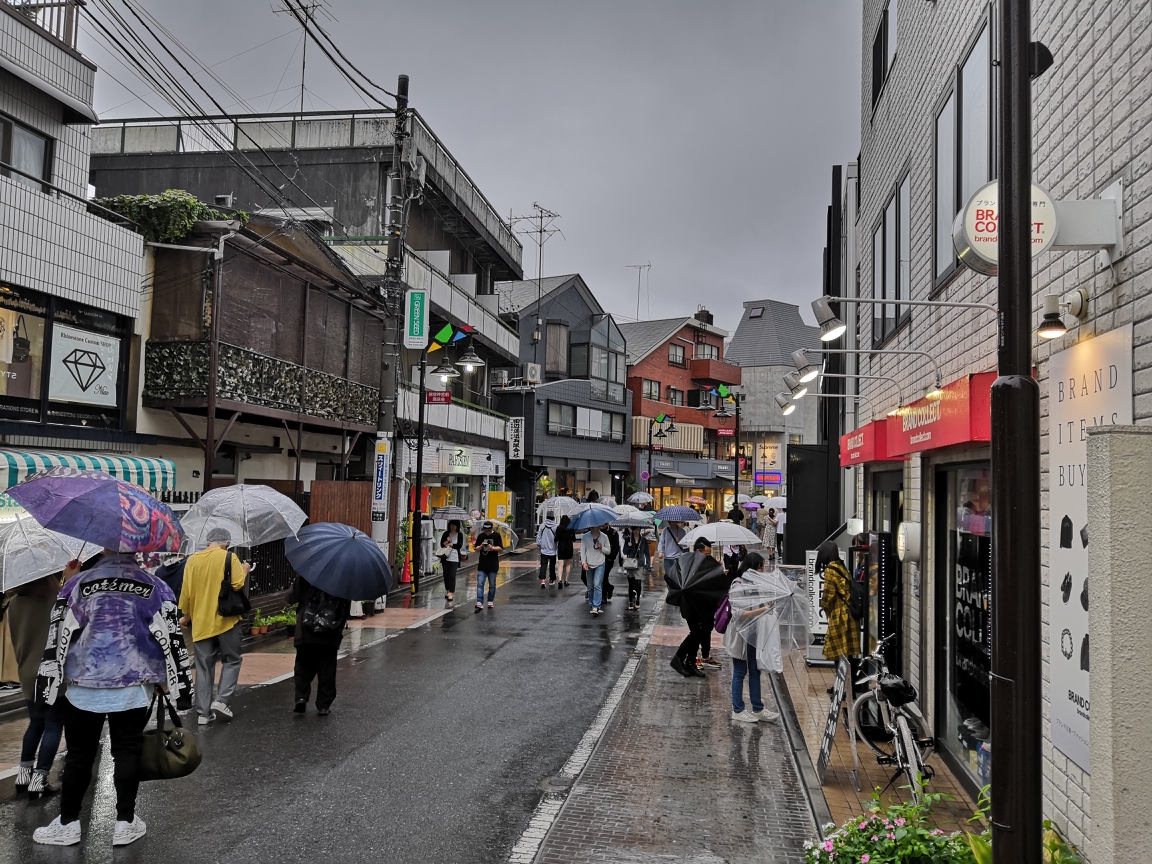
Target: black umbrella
697 586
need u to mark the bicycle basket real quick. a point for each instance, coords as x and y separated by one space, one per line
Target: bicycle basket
896 690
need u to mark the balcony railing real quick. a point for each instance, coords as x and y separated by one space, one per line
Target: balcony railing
58 18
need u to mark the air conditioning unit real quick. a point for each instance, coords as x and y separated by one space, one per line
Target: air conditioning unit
499 377
532 373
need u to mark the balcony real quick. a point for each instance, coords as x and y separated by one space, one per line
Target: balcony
708 371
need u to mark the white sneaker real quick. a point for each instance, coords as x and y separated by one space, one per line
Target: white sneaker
201 720
766 716
744 716
128 832
221 708
55 833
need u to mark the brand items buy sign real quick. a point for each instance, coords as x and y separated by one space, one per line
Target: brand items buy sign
975 233
957 413
1089 385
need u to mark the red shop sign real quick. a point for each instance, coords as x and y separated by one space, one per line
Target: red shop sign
868 443
437 397
957 414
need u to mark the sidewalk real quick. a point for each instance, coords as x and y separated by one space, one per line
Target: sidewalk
674 779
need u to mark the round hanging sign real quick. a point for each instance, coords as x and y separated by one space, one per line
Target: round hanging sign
974 233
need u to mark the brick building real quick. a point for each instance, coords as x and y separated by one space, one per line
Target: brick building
673 364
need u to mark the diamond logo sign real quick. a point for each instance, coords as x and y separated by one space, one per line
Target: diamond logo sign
84 367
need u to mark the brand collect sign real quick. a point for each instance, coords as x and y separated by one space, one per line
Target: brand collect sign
1089 385
955 414
975 233
867 443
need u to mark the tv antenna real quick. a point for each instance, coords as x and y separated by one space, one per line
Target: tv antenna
639 268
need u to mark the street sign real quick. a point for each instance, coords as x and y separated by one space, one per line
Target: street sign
416 319
437 397
515 437
380 482
975 234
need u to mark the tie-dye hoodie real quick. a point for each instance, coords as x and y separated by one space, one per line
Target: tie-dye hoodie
114 626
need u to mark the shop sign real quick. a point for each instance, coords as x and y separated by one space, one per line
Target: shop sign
1089 385
416 319
516 438
85 367
380 481
768 478
975 232
957 413
867 443
725 433
456 460
438 397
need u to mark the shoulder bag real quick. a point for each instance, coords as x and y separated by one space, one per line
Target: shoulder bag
168 752
231 601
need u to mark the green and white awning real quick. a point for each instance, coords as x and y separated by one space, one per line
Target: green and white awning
149 473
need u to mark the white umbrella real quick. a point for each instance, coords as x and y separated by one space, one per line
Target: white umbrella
29 551
726 533
252 514
770 612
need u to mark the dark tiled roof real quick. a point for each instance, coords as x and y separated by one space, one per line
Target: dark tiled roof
515 296
770 339
643 336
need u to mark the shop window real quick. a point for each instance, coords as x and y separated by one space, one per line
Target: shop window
556 352
26 151
561 419
675 397
676 355
650 390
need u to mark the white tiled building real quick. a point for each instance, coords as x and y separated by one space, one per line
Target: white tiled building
928 141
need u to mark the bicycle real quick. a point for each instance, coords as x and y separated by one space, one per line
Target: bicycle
887 720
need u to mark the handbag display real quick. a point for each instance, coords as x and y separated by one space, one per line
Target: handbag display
168 752
231 601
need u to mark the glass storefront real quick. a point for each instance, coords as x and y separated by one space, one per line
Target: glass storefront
964 567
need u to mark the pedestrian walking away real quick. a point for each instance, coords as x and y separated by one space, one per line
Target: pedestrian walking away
28 613
635 554
565 551
215 638
320 622
744 666
593 555
488 544
114 638
546 541
668 548
451 553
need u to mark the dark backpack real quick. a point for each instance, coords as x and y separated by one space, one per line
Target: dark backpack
323 613
857 599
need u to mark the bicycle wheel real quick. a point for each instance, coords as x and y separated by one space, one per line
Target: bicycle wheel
867 721
910 760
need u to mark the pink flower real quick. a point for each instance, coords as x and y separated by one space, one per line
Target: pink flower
900 821
827 845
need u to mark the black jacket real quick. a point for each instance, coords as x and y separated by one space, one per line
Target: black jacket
302 591
565 541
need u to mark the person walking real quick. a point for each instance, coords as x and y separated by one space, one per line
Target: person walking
840 636
744 666
215 638
565 550
668 548
635 551
452 553
593 555
488 544
546 541
28 613
699 617
320 622
114 638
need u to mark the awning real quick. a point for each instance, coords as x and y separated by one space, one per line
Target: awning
148 473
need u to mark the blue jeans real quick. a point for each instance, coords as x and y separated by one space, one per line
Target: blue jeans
42 737
740 670
480 577
595 585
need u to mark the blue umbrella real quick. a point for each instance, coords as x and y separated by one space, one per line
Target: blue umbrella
587 515
340 560
678 513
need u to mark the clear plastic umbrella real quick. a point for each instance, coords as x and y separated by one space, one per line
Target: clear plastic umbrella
29 551
770 612
252 514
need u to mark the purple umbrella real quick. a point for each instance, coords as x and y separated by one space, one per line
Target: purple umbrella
94 506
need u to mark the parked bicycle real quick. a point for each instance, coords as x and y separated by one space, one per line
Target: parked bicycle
887 720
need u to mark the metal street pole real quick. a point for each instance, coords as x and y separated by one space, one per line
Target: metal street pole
417 509
1016 638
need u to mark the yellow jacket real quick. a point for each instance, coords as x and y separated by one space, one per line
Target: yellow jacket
203 576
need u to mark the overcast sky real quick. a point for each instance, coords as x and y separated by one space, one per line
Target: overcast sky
699 137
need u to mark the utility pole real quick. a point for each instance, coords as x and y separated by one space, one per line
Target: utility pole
541 231
639 268
1016 634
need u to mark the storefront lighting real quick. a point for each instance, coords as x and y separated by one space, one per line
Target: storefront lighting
793 383
445 370
470 361
831 327
805 367
787 406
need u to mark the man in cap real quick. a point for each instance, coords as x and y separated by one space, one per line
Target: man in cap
214 637
488 544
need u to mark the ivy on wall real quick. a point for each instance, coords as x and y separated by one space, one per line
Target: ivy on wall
168 216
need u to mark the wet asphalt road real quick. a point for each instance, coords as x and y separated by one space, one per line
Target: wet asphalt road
436 750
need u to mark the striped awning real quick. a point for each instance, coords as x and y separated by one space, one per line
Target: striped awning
146 472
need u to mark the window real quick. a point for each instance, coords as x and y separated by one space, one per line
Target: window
25 151
707 351
650 390
963 146
883 50
676 355
891 250
561 419
556 356
675 397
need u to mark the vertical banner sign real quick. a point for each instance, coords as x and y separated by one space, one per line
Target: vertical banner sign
416 319
516 438
380 482
1089 385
